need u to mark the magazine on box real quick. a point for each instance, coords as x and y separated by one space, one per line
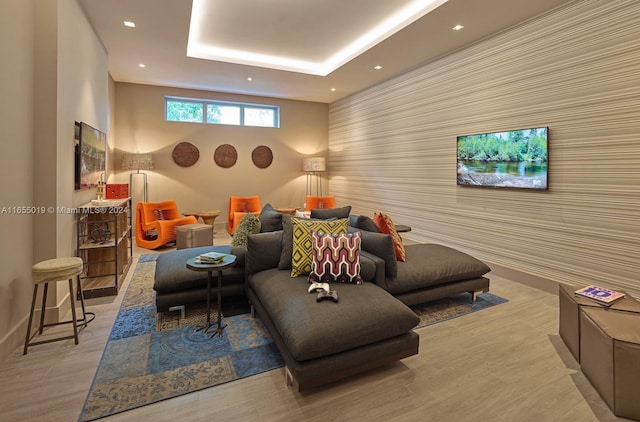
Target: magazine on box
600 294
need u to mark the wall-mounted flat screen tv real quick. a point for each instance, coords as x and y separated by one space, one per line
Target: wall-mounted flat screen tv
510 159
90 155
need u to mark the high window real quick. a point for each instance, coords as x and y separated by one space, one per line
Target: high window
221 112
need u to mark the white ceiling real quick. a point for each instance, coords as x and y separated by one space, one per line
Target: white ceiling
309 31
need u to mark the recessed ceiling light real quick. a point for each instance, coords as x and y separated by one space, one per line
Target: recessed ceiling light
457 27
129 24
142 65
378 67
249 78
333 90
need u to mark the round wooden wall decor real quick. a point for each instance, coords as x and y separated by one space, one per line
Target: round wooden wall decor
225 156
185 154
262 157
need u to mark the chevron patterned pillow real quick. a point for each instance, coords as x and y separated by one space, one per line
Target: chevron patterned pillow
336 258
303 242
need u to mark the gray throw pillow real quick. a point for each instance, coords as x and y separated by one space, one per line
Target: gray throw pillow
287 243
248 225
363 222
270 219
381 245
327 213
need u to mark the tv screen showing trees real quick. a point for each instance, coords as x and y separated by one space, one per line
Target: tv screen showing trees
511 159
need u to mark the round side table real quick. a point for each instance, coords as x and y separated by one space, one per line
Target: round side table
209 217
195 265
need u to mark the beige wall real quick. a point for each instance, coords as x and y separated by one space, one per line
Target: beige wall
140 128
393 147
16 165
83 95
58 70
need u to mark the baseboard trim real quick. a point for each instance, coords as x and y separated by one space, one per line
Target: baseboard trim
15 338
527 279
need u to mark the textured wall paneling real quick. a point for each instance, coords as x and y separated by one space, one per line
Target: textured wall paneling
575 69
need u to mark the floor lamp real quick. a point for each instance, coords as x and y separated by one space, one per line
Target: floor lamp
313 166
138 162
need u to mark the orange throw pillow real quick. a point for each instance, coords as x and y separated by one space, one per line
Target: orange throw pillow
386 226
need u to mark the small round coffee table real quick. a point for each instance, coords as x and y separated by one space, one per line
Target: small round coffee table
208 217
287 210
227 262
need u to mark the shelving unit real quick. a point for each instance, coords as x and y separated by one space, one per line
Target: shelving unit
104 244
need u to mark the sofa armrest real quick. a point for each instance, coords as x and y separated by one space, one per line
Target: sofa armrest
263 251
240 252
378 262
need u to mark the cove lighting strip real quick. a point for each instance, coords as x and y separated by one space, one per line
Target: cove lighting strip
196 48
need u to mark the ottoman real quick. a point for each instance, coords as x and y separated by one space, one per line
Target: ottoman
610 357
194 235
570 305
175 285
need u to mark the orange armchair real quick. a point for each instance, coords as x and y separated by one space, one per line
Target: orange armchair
239 207
315 202
161 217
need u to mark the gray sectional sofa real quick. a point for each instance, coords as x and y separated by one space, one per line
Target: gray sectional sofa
321 342
326 341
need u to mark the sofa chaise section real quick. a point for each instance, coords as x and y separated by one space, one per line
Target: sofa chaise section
430 271
323 342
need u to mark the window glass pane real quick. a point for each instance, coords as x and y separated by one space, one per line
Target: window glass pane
182 111
254 116
223 114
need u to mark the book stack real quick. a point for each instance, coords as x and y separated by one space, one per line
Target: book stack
210 258
600 295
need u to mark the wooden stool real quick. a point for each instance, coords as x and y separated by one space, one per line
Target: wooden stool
53 270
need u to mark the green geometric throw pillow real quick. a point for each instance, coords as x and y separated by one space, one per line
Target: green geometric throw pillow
301 255
249 224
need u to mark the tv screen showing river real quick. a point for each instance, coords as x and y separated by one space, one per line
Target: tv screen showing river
512 159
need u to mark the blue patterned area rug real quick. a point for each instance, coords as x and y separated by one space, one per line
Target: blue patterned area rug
452 307
151 357
141 365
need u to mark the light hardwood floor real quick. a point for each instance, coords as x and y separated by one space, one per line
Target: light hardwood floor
505 363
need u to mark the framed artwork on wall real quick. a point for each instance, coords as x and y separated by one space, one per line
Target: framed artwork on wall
90 156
